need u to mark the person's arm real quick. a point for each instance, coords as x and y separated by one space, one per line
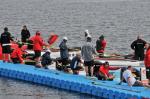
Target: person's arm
129 81
19 54
133 45
42 43
101 72
114 68
63 46
28 34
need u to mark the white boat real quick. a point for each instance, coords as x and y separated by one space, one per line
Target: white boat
112 61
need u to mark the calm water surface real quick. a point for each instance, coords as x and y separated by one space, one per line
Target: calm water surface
119 20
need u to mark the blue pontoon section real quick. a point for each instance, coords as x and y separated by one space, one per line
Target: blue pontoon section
81 84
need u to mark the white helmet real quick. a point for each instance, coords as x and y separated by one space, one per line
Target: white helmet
65 38
87 31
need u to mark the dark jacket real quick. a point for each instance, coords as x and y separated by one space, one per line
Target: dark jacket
138 46
25 34
63 50
5 38
46 59
74 63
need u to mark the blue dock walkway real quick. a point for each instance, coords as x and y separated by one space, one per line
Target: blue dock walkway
81 84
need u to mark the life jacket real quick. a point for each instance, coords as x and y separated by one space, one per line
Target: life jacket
52 39
17 53
147 58
100 46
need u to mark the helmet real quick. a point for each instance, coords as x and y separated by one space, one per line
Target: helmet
65 38
87 31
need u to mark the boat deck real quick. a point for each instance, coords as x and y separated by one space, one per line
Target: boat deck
78 83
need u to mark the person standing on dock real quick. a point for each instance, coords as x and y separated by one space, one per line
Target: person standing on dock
147 61
87 52
64 54
38 47
25 34
6 45
101 45
138 47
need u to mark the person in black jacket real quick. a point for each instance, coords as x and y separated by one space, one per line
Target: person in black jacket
5 42
138 47
25 34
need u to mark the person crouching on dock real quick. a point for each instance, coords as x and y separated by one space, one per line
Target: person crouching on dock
16 55
104 72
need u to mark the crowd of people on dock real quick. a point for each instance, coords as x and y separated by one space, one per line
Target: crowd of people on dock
86 57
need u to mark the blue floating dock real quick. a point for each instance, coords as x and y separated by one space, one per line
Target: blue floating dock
81 84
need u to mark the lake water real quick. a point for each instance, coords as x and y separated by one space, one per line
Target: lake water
120 21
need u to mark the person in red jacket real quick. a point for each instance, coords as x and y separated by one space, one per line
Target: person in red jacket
38 47
104 72
101 45
147 60
16 55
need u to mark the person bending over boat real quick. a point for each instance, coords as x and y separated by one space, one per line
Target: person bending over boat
130 79
138 47
147 61
64 54
16 55
37 47
101 45
75 64
25 34
46 59
87 52
104 72
6 44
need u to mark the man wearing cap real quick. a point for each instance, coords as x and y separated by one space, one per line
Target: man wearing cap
87 52
64 54
101 45
5 42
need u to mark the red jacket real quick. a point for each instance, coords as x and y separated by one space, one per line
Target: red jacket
17 53
37 43
147 58
103 46
105 71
